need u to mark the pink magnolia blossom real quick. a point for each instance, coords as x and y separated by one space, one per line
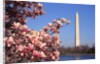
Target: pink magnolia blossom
56 53
35 53
42 54
20 48
10 41
16 25
30 46
25 27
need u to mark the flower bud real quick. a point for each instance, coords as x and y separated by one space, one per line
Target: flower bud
49 24
63 20
36 11
22 54
23 33
24 28
10 41
53 57
40 5
8 44
45 28
68 22
53 28
55 37
59 23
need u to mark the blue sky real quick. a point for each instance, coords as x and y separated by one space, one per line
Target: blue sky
67 33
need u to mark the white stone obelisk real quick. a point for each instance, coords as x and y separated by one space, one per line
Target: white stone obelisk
77 31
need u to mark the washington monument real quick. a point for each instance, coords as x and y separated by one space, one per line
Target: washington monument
77 31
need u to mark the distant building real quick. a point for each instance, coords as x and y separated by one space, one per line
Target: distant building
77 31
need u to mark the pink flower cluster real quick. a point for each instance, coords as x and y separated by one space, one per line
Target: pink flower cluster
35 45
25 45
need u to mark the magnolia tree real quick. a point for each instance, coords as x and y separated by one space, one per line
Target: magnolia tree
25 45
